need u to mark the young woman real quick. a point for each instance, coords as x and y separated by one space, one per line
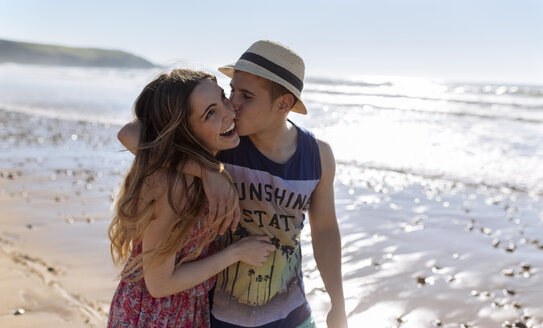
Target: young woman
160 229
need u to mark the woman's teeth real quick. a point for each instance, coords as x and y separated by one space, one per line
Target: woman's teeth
228 130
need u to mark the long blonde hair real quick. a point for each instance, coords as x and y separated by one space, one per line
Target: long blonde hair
166 140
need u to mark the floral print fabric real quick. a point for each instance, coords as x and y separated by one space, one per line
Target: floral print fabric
133 306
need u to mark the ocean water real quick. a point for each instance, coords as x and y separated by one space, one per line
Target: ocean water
476 134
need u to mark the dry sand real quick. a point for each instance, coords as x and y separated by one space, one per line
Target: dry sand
416 252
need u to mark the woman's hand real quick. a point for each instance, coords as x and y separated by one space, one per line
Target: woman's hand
253 250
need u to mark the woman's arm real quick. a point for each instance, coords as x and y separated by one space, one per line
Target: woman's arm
163 279
220 196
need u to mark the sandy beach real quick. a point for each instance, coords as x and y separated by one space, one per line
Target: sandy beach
417 251
55 210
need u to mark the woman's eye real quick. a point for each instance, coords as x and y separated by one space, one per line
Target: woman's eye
210 113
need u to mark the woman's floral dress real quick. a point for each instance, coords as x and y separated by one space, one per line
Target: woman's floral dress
133 306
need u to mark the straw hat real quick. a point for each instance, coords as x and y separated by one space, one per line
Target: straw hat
275 62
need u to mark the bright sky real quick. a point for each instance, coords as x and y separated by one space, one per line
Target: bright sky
472 40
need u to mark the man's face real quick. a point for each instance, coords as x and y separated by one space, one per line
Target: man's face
252 101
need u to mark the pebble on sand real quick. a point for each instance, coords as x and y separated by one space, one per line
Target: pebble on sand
508 292
516 324
421 281
19 312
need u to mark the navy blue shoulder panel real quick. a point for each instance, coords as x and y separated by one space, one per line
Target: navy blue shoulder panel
305 164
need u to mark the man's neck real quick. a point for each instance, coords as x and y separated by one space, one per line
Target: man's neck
278 144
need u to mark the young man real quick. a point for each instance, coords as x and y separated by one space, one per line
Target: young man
281 172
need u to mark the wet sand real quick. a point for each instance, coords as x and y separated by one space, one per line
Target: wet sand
417 252
434 253
56 185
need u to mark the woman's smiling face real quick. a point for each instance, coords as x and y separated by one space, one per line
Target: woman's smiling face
212 117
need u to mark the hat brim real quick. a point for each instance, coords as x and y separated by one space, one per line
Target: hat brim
251 68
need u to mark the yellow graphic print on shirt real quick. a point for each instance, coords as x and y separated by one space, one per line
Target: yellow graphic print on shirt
256 286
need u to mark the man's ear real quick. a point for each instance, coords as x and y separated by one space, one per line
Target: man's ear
285 102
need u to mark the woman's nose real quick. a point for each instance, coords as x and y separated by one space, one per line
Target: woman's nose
233 101
230 111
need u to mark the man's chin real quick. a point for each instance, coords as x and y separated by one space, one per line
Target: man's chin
241 132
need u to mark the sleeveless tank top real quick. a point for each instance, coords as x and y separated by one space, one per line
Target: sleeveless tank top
273 201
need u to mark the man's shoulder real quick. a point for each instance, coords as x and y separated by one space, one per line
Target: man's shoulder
324 147
328 161
310 135
307 136
304 131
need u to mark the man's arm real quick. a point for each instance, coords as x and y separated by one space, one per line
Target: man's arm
220 196
326 238
129 136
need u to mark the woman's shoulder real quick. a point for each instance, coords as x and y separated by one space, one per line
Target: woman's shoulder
157 184
154 185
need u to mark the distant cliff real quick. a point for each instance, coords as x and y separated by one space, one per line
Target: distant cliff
42 54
